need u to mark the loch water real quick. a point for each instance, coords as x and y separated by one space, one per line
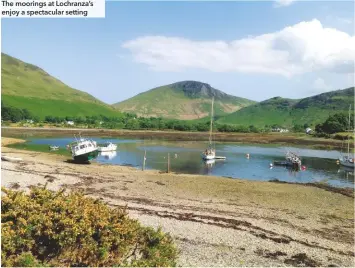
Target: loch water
185 157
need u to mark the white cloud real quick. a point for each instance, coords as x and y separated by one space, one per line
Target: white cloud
320 85
304 47
283 3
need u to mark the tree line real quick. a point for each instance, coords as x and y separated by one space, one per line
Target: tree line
334 123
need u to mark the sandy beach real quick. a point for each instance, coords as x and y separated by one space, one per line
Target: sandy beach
215 221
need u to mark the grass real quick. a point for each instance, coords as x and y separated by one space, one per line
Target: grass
25 85
60 108
38 148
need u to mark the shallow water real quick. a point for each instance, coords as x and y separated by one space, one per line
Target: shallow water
185 157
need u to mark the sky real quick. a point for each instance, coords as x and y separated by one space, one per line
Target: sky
256 50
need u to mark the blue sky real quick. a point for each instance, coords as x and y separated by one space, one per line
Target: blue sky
255 50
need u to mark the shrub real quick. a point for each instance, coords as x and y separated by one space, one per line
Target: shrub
46 228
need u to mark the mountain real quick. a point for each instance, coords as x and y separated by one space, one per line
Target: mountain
288 112
182 100
24 85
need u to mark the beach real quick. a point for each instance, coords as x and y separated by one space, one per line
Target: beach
215 221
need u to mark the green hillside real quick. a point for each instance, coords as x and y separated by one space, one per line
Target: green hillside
288 112
185 100
27 86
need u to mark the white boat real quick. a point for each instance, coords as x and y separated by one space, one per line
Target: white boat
348 160
83 150
53 148
210 152
108 147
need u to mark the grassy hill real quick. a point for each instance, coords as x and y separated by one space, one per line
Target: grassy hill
182 100
27 86
288 112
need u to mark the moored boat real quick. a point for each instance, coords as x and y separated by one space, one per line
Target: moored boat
108 147
210 152
348 160
293 160
84 150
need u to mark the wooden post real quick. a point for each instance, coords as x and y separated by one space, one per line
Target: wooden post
145 153
168 162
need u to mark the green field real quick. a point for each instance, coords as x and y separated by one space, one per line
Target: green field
60 108
27 86
38 148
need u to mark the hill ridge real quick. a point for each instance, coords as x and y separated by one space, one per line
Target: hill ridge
30 87
288 112
185 100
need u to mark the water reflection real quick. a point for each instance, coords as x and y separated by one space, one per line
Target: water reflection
109 155
209 165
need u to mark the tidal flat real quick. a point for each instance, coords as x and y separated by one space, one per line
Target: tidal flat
215 221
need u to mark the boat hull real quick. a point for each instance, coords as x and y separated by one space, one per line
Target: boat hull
208 157
86 157
347 164
107 149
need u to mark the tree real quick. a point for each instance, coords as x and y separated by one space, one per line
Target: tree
298 128
335 123
132 124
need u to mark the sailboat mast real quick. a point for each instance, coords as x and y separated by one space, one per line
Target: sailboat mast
349 130
211 122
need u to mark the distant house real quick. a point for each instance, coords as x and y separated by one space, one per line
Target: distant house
71 123
308 130
281 130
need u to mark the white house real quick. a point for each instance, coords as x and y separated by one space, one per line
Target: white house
308 130
281 130
71 123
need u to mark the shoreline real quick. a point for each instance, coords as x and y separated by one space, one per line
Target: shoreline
347 191
250 138
215 221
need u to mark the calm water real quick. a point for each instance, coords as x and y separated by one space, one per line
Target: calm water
185 157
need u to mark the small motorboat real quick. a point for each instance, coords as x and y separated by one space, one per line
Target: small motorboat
292 160
108 147
83 150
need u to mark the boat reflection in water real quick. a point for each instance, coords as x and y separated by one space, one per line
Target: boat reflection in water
109 155
209 165
348 174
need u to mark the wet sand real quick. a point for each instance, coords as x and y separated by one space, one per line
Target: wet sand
215 221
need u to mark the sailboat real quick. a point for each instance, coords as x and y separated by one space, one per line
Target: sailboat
210 152
348 160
